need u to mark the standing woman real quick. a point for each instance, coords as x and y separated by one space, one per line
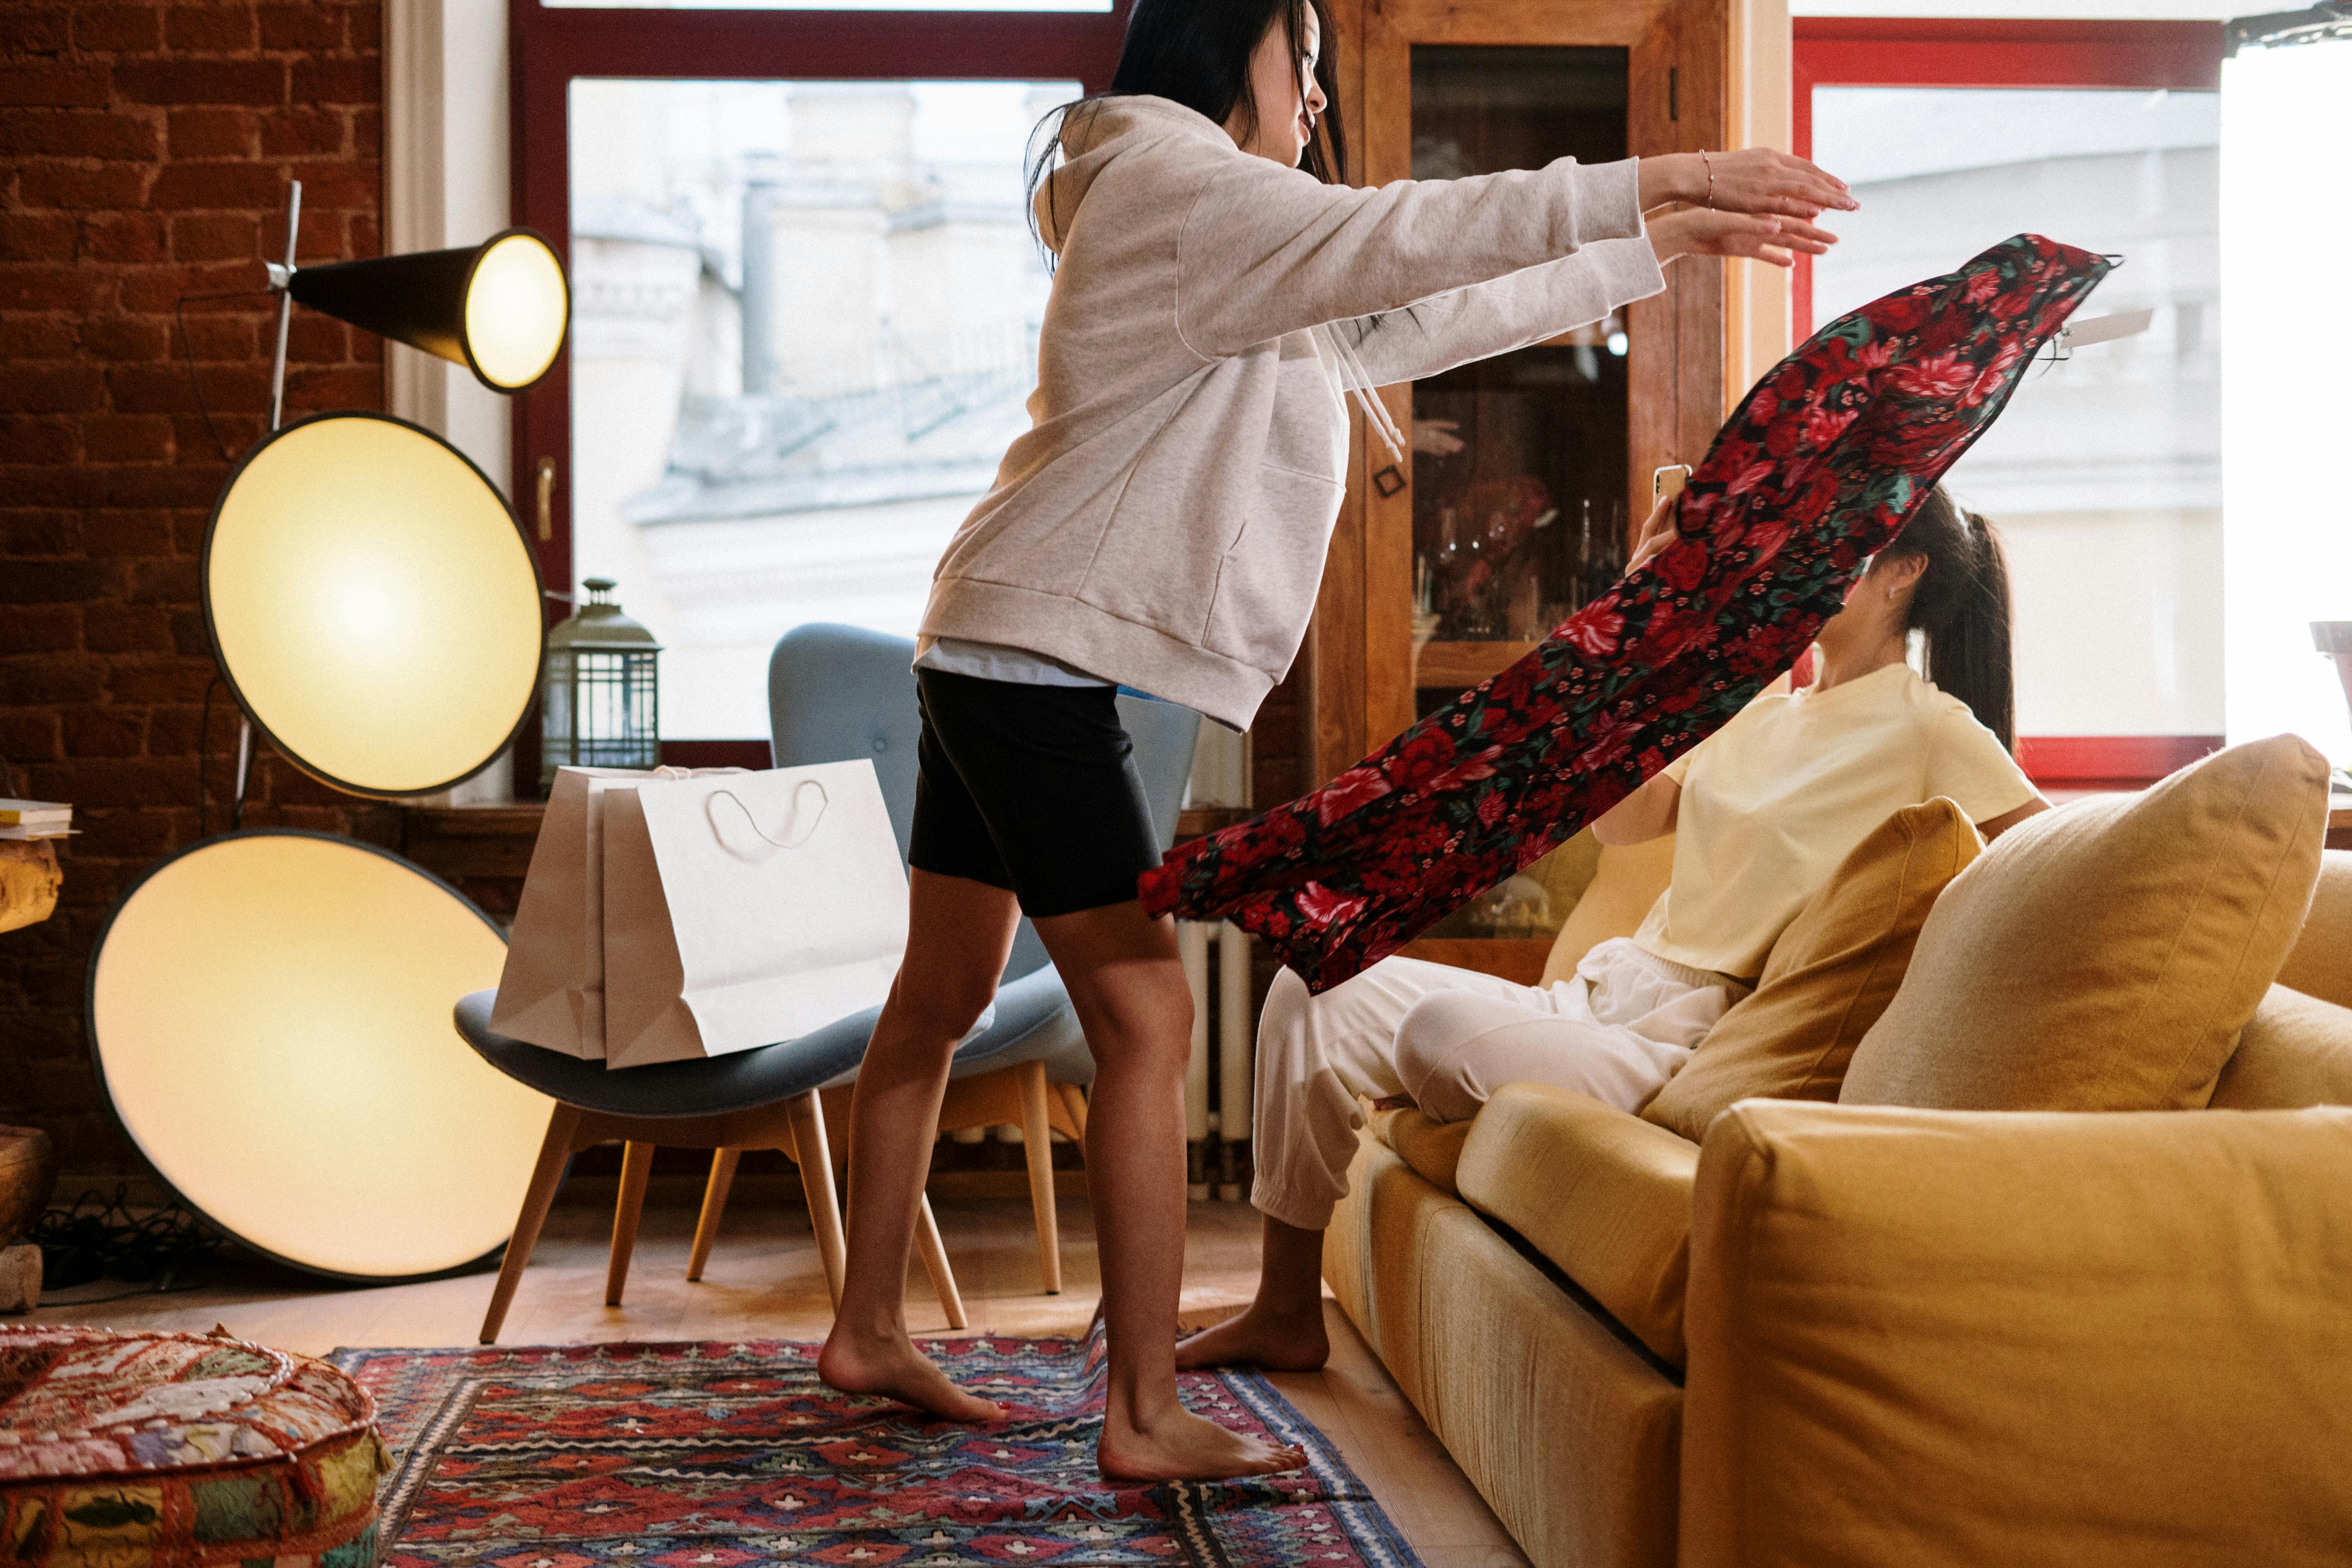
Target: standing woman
1162 526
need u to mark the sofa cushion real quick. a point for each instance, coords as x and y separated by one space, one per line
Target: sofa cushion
1604 1195
2105 956
1433 1149
1830 976
2296 1052
1626 880
2320 963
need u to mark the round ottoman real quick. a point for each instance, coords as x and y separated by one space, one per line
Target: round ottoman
163 1451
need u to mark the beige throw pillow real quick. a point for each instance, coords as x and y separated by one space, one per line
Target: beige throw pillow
2104 956
1830 975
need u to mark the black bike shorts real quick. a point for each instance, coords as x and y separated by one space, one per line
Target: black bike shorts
1031 788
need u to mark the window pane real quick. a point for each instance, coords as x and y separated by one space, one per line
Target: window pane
2105 474
806 330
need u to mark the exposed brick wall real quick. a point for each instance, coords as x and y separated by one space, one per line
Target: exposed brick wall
144 154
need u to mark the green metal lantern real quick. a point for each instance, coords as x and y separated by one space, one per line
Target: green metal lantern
601 703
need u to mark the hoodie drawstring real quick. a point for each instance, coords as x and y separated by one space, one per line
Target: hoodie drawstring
1376 413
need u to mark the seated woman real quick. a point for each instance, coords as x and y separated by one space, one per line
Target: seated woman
1763 811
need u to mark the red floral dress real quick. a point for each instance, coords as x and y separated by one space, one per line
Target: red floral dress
1823 464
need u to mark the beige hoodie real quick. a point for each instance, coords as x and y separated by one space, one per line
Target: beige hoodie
1163 522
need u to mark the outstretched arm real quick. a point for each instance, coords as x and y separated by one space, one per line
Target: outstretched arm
1267 250
1434 335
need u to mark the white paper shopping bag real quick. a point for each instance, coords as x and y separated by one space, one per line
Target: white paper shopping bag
551 993
746 908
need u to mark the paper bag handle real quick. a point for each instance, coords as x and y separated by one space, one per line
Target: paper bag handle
824 800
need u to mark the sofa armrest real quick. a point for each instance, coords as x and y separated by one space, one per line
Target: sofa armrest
2320 962
1966 1337
1601 1192
2297 1050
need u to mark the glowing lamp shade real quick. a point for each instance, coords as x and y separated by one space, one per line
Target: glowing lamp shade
500 307
373 604
270 1013
2286 337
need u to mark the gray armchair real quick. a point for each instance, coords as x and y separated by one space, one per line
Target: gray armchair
836 693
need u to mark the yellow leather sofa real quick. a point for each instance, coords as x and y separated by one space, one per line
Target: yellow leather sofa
1867 1335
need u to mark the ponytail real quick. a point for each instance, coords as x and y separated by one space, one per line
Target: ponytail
1961 608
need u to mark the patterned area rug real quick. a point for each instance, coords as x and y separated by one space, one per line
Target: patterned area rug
733 1455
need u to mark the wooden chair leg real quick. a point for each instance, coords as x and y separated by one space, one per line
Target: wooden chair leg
813 1155
1074 1104
636 1164
935 1264
554 1150
714 1203
1037 1146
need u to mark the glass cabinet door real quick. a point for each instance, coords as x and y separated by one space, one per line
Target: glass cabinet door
1519 462
1520 490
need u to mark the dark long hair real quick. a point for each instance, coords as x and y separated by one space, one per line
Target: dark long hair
1197 53
1961 607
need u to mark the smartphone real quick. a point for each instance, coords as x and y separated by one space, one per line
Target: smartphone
1668 481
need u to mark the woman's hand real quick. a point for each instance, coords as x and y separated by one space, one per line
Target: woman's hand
1437 437
1756 180
1657 533
1694 231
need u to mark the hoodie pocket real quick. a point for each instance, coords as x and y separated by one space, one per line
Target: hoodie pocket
1266 583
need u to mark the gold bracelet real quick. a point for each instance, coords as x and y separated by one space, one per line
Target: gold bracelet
1709 200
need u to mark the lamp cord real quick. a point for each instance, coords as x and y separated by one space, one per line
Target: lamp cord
99 1237
204 750
189 351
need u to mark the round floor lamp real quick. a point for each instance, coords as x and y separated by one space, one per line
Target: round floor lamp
373 604
270 1012
269 1018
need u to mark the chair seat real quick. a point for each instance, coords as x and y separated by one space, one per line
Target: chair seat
711 1087
1032 1021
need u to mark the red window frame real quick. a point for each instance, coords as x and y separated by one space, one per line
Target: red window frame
549 47
1872 51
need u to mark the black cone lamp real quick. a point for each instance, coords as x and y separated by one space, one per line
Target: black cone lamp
500 308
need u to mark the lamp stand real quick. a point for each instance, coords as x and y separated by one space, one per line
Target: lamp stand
282 278
281 281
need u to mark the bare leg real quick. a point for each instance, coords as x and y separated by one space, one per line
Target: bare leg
958 934
1124 979
1282 1327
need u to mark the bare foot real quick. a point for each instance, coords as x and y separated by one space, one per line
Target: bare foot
1182 1446
894 1368
1259 1336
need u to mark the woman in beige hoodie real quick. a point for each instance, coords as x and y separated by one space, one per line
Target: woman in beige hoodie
1162 526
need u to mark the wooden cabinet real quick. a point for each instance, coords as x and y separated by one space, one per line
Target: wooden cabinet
1528 471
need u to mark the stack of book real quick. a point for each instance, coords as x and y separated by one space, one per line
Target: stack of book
35 819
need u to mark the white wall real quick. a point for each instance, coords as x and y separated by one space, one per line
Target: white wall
446 183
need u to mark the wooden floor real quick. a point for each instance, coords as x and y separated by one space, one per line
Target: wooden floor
764 1282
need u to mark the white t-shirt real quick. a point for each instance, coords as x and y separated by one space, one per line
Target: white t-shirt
1774 800
996 661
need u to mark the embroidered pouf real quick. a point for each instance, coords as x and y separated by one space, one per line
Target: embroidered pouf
165 1450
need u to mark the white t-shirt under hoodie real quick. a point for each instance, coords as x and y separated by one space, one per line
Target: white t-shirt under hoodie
1773 801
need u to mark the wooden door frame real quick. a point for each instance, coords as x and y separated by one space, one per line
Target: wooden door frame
1678 67
549 47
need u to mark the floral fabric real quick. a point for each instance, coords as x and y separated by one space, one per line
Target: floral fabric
1825 461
